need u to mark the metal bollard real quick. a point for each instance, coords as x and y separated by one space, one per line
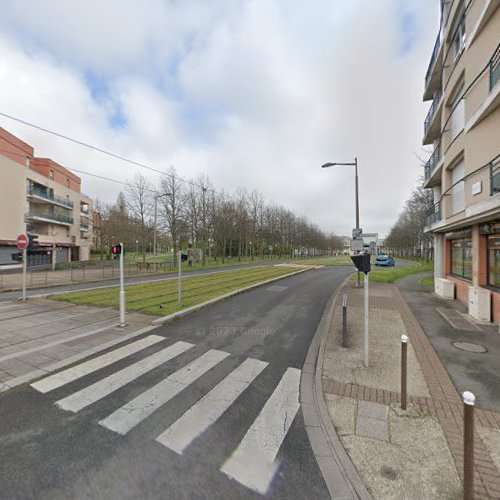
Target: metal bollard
344 320
404 368
469 401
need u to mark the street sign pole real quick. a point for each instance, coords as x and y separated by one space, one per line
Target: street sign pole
367 281
25 258
122 289
180 278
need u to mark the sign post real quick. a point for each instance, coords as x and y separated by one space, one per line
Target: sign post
180 278
362 263
22 244
122 289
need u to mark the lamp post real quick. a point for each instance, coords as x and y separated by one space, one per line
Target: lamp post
355 165
136 248
154 226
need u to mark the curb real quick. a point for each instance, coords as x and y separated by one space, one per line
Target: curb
340 475
198 307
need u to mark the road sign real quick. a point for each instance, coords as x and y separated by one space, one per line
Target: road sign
357 245
22 241
356 232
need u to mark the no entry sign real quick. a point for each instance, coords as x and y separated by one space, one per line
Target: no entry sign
22 241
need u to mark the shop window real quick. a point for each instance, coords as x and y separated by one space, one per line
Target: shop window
461 258
494 260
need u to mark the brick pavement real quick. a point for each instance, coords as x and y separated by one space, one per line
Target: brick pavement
444 402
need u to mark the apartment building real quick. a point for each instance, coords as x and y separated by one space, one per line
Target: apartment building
41 197
463 171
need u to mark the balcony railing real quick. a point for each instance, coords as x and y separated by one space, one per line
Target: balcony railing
52 217
495 68
42 193
432 110
435 52
434 213
495 176
84 227
432 161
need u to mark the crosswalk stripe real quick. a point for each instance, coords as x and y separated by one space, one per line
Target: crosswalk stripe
134 412
102 388
253 462
208 409
59 379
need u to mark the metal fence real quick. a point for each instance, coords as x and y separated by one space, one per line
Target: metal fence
80 274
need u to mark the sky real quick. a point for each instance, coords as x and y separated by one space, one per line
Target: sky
253 93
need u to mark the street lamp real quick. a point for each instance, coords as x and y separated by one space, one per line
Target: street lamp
355 165
136 248
154 226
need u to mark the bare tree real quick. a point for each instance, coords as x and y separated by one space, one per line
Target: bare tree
171 209
139 204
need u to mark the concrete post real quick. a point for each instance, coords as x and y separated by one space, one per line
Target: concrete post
404 369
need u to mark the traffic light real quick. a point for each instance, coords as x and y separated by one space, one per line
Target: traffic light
116 250
32 241
362 262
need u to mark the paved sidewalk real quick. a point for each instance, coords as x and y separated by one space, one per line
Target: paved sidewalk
40 336
416 453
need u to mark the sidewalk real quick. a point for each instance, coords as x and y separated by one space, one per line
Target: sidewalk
40 336
417 453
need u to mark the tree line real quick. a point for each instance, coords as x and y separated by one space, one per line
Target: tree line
241 225
407 237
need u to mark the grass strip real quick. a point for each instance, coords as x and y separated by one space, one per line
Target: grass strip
162 299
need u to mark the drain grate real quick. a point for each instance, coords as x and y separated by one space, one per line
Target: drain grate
468 346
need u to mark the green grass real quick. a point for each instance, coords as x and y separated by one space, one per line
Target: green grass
162 298
426 281
392 274
340 260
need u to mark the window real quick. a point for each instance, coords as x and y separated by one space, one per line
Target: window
458 33
458 189
51 174
67 181
457 110
494 260
461 258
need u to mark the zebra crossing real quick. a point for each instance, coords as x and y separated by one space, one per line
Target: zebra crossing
253 463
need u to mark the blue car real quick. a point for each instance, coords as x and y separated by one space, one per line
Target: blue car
385 260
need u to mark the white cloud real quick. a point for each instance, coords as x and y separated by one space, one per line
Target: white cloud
256 94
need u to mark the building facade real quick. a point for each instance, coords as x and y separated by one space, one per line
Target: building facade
463 171
40 197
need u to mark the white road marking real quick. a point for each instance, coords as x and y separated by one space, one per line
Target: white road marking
64 377
134 412
253 463
208 409
102 388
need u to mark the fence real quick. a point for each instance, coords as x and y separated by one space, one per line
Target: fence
47 277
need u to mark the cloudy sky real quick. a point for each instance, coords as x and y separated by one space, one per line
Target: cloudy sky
254 93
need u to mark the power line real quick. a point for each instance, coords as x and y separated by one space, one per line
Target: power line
109 153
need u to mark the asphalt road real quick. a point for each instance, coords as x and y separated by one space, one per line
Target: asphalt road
33 292
230 424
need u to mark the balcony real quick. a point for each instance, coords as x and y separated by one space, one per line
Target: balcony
495 176
495 68
84 227
43 194
434 214
432 163
53 218
433 75
432 124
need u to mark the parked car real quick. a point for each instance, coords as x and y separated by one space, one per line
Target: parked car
385 260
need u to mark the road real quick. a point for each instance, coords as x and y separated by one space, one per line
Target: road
129 280
208 410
